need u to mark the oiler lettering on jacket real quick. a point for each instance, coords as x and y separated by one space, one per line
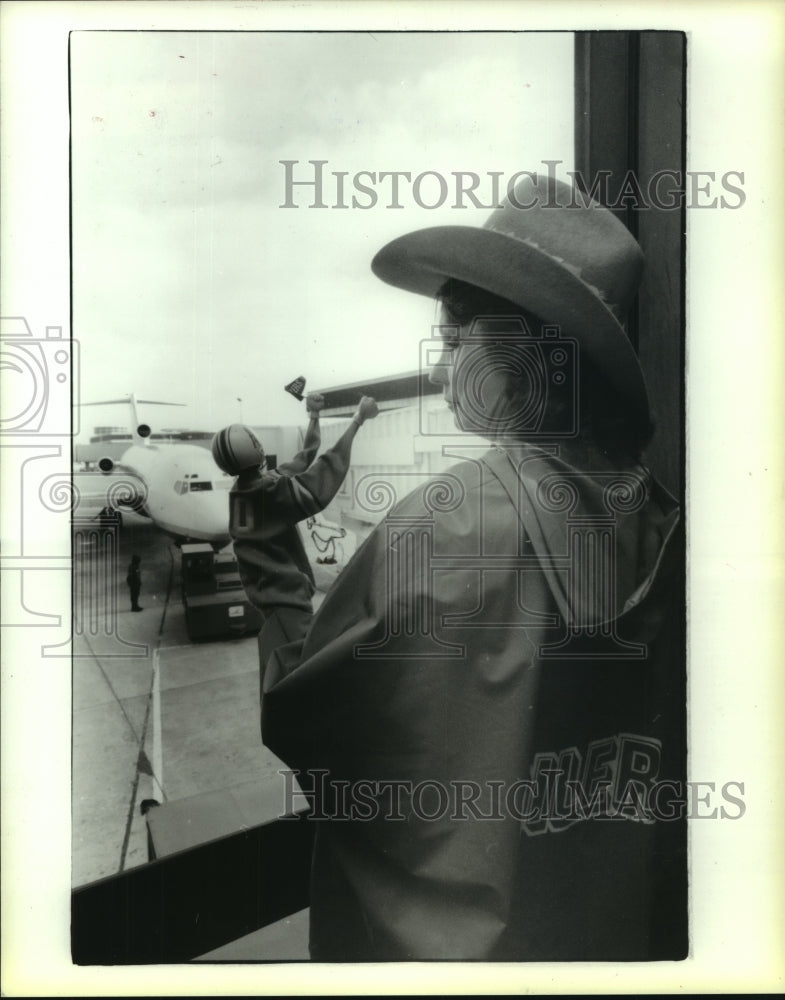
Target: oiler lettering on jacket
614 778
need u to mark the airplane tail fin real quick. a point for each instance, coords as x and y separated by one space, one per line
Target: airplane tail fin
140 432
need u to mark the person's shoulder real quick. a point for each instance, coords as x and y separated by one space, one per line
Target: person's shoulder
256 481
441 490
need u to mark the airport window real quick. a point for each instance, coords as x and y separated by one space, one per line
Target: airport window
347 486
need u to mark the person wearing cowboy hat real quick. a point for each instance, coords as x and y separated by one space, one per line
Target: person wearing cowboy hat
483 713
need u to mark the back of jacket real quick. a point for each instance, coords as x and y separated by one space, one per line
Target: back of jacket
503 632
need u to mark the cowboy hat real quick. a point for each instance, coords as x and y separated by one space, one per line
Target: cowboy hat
549 249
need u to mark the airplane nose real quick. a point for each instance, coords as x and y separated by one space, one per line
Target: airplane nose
211 515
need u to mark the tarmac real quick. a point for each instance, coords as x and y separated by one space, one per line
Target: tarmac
158 717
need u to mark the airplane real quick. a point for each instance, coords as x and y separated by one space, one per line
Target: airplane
184 492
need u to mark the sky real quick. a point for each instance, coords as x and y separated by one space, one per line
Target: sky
191 282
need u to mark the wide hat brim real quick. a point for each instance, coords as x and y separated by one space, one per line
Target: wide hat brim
422 261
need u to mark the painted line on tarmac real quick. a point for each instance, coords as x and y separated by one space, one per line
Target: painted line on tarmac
158 747
116 697
141 759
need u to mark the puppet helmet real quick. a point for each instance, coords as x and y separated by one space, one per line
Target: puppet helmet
236 448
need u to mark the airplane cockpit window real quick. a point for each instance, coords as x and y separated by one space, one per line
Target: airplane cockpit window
200 486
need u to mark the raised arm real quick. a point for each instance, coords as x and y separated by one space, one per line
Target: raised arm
314 402
324 477
306 493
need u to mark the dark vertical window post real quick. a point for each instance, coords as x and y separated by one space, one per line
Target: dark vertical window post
630 106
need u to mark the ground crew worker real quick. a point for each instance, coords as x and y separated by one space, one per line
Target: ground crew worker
134 581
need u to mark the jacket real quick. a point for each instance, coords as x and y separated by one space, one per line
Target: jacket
510 627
